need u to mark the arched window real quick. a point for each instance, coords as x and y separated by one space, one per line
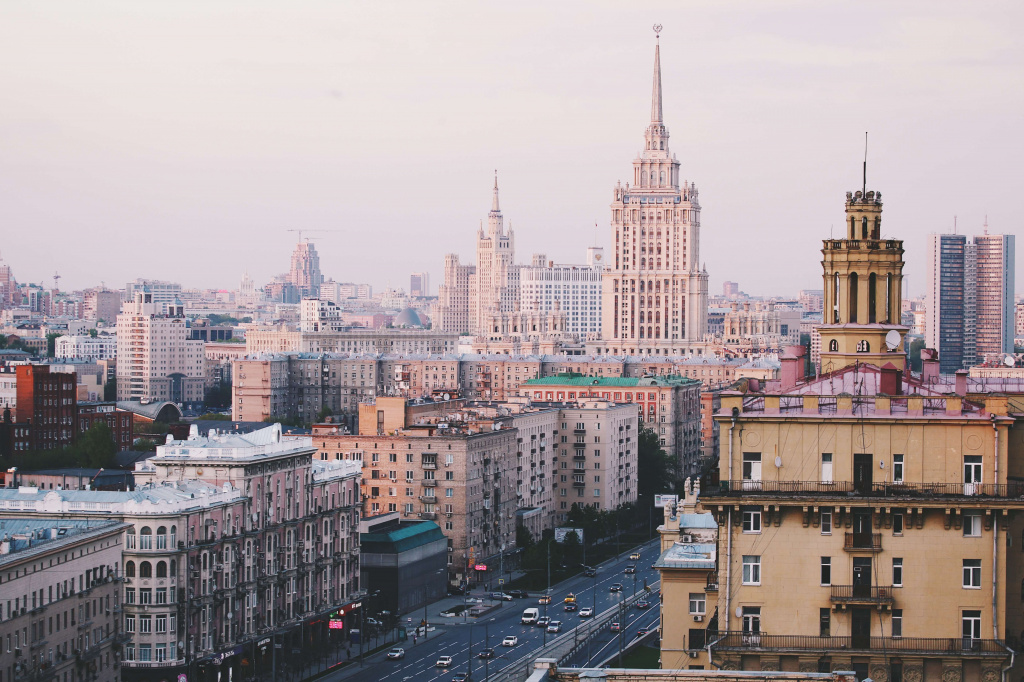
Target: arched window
863 347
864 227
872 298
661 145
145 570
833 346
129 569
146 538
161 537
174 536
161 569
662 178
174 568
852 317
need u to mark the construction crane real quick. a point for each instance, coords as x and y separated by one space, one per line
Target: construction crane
56 281
300 231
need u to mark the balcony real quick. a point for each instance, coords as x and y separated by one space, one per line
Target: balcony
579 455
863 542
579 431
428 499
580 446
578 484
712 582
880 595
430 482
845 489
925 646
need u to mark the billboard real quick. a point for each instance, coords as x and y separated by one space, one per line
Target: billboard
560 534
662 501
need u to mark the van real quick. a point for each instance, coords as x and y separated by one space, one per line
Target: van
530 616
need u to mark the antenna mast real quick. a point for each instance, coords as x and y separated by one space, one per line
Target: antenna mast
864 189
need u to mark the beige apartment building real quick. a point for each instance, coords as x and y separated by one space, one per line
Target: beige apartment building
352 340
156 360
59 599
454 468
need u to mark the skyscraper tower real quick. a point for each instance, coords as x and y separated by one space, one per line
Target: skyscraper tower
863 290
655 295
305 269
495 288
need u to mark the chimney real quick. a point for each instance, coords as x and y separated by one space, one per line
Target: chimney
890 382
929 366
961 382
792 367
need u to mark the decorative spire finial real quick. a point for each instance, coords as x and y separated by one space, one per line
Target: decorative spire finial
656 95
494 201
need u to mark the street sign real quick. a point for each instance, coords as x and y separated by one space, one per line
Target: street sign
501 581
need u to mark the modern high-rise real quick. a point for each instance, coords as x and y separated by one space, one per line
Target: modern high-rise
453 296
970 298
655 293
305 269
102 304
545 286
994 304
419 284
163 294
155 358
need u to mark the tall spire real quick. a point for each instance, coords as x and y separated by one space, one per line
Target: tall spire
656 94
494 201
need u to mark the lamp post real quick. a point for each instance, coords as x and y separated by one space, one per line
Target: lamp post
426 599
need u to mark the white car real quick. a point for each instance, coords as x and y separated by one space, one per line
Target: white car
396 654
586 612
511 640
444 662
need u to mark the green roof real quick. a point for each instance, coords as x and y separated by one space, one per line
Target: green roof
401 539
573 379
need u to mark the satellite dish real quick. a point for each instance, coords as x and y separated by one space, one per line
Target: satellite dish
892 339
1009 361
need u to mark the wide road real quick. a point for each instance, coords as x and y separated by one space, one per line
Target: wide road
460 636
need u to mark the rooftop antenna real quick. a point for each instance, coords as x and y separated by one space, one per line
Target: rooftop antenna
954 224
864 189
985 227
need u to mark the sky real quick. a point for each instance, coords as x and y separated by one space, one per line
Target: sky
183 140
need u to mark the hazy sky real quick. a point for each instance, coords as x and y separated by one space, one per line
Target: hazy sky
179 140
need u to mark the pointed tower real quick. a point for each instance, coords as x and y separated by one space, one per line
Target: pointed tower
495 285
863 290
654 294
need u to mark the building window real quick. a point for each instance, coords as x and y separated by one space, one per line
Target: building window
751 466
897 468
825 622
698 603
751 619
751 569
897 523
129 623
897 622
145 625
972 573
897 572
826 467
826 523
972 525
826 570
752 521
971 625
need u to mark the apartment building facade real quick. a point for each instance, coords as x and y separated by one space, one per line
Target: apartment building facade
155 358
233 539
59 610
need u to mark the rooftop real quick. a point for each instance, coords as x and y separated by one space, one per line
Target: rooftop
688 555
24 537
230 445
573 379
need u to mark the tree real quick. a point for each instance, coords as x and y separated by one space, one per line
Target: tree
524 538
657 472
51 343
916 346
94 332
323 414
96 447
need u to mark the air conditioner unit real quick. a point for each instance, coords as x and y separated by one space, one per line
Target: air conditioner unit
699 618
686 538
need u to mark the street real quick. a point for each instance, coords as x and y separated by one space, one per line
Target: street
464 640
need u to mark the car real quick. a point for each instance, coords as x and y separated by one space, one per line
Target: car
543 621
586 612
373 621
590 572
396 654
570 598
616 627
555 626
642 632
486 653
545 599
460 677
501 596
631 569
510 640
615 587
518 594
444 662
569 608
643 604
635 556
474 600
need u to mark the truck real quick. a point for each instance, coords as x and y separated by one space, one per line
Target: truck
530 616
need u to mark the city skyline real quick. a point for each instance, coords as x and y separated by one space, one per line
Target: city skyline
265 124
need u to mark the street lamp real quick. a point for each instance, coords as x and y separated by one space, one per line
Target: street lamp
426 599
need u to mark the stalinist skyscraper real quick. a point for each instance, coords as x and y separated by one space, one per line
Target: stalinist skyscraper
655 296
